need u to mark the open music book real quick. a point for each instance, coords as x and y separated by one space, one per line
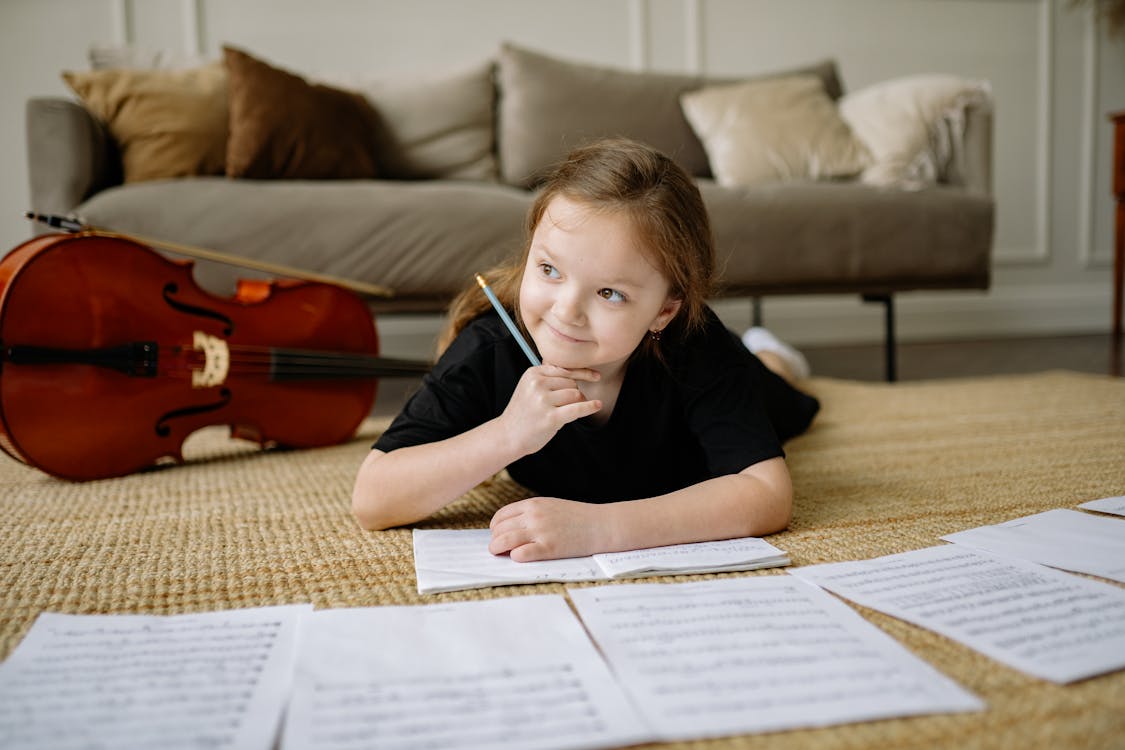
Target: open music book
455 559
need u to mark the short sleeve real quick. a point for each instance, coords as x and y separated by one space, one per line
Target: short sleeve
469 384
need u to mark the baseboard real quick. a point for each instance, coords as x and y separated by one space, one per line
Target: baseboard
821 320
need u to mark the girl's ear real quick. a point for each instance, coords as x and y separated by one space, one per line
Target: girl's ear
667 312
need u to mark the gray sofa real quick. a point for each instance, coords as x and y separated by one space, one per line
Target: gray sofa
425 234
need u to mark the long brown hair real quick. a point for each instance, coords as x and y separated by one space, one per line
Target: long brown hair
665 206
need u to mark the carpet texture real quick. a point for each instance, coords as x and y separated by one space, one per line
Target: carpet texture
886 468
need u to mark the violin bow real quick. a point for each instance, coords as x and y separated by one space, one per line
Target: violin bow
73 225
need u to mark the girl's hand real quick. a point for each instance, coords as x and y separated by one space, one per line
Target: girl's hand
546 398
546 528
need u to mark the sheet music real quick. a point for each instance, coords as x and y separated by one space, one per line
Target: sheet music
1114 505
714 658
455 559
506 673
1067 539
211 680
728 554
1050 624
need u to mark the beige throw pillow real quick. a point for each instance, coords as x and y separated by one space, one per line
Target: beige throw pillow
168 123
779 129
912 126
436 125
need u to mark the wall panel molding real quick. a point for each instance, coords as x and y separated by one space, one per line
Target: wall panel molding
1039 252
693 36
191 15
1091 123
640 54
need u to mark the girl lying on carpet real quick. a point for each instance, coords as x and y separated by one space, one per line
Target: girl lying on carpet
648 423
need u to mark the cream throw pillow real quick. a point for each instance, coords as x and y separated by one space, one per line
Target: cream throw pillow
168 123
912 126
778 129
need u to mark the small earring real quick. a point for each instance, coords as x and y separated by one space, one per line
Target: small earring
655 335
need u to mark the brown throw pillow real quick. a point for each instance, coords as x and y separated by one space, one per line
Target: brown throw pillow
168 123
281 126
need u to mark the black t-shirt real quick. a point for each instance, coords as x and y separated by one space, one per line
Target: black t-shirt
710 408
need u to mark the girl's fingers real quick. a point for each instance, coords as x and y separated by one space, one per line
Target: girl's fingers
581 373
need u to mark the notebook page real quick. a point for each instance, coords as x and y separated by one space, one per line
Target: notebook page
1044 622
455 559
518 672
217 679
747 553
738 655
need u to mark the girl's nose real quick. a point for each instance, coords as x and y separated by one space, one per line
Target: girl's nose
568 308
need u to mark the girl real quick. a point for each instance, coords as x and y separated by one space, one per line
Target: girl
648 423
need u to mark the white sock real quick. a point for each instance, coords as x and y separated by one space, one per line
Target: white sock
758 339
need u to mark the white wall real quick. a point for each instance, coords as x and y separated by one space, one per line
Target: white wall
1054 72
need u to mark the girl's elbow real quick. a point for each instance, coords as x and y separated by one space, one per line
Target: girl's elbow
369 512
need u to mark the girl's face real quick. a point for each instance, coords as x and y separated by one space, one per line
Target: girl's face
589 294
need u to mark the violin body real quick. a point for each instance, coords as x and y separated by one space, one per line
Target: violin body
111 355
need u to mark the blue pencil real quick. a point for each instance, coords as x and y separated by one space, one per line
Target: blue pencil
508 321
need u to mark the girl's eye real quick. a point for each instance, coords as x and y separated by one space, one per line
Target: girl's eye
549 271
611 295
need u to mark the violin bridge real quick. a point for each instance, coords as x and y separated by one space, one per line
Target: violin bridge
216 361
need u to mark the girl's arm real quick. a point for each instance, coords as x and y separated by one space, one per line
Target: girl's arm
755 502
409 484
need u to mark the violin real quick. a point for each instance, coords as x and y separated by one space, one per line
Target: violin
111 355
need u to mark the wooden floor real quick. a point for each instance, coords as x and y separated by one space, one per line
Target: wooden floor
918 361
924 361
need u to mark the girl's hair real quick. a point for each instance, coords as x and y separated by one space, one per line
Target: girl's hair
666 209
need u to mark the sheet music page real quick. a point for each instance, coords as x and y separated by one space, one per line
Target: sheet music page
730 656
518 672
746 553
213 680
1044 622
1114 505
1067 539
455 559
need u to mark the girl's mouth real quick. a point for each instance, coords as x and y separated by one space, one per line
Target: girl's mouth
563 336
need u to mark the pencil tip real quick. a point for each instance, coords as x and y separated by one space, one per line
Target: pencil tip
481 281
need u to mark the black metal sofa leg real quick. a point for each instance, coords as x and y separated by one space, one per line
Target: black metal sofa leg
888 301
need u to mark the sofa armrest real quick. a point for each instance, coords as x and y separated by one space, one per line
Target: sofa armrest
971 165
70 155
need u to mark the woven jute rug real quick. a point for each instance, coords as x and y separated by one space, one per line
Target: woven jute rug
886 468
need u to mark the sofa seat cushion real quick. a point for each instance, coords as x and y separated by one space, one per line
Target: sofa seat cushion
423 239
798 237
427 239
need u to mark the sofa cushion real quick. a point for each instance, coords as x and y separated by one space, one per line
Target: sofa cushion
776 129
432 126
281 126
548 106
425 239
167 123
912 126
812 237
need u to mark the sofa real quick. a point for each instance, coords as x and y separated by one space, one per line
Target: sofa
417 183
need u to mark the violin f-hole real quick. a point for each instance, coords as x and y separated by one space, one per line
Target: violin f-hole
172 288
162 428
